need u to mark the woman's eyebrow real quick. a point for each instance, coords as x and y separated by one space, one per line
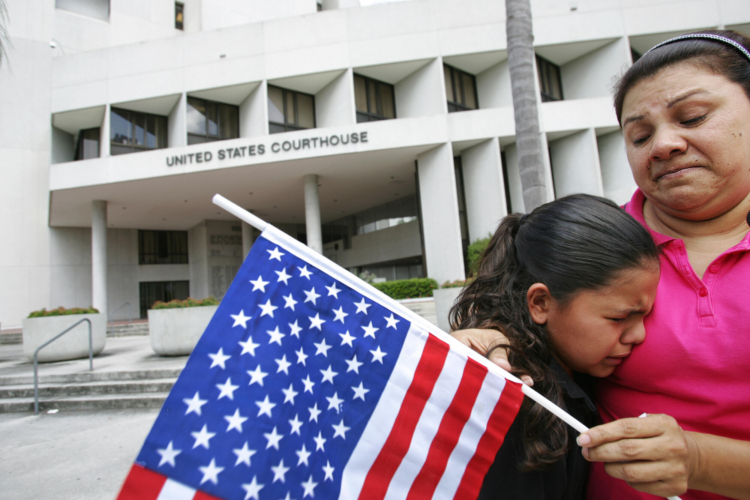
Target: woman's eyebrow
632 119
688 94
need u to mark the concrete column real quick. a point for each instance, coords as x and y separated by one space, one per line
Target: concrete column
104 140
99 255
177 123
484 188
575 164
617 180
312 213
247 239
440 224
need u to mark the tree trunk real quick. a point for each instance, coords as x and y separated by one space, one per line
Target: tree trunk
4 38
521 60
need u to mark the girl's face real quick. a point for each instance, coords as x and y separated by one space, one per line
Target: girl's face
597 329
687 137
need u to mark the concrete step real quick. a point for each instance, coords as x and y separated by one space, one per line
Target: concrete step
93 402
94 388
89 377
11 338
127 329
424 307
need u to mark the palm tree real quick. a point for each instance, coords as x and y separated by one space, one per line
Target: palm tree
4 38
521 61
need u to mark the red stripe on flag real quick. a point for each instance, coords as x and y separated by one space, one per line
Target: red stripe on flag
141 484
448 433
428 370
502 417
199 495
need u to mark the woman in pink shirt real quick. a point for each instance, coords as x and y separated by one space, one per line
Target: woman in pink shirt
684 108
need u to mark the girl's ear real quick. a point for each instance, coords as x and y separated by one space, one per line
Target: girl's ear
539 300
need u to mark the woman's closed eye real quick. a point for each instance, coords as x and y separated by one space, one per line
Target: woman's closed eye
694 121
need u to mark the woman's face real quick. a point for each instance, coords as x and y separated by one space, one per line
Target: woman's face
687 135
596 330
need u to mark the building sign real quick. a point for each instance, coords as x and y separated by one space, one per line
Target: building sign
261 149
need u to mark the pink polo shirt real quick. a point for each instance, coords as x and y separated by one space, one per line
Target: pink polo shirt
695 362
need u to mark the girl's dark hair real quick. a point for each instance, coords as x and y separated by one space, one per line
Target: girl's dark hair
719 57
580 242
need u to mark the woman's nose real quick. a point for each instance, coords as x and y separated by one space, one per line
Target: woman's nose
667 142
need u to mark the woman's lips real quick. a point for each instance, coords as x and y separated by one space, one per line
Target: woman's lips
673 173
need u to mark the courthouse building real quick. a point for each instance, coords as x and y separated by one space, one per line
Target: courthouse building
381 135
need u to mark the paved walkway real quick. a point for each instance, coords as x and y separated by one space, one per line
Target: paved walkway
74 455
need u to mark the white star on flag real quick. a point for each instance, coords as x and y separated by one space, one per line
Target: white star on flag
290 302
296 425
392 322
265 407
328 471
276 336
283 365
252 489
219 359
353 365
309 487
316 322
257 376
312 296
340 430
194 404
304 273
240 319
235 421
283 276
295 329
248 347
359 392
289 394
259 284
340 314
332 290
346 338
227 389
211 472
273 439
168 455
202 437
268 309
275 254
370 330
303 455
279 471
362 306
334 403
244 455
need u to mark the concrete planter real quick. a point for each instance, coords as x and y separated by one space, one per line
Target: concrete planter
174 332
72 345
444 299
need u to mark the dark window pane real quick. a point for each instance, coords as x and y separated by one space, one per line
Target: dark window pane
275 128
289 108
306 112
196 139
179 13
139 135
151 132
275 104
362 117
229 121
115 149
372 98
120 127
449 84
196 116
360 93
212 118
388 109
88 144
470 98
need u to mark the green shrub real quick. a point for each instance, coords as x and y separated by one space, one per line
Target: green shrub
407 289
456 283
61 311
188 302
474 252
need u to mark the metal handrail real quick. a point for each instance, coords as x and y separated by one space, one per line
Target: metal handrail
109 316
36 360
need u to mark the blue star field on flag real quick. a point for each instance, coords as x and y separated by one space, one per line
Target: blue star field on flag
280 387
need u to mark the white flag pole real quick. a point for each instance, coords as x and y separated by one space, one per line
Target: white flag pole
413 317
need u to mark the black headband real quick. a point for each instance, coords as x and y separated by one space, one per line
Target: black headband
704 36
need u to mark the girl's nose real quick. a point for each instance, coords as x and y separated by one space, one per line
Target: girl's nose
635 334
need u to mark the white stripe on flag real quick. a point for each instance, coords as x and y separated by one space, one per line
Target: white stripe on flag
172 490
432 415
489 395
381 422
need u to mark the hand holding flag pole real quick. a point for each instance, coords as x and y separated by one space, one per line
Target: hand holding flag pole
261 225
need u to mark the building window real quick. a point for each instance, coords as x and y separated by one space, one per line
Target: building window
209 121
374 99
635 54
461 88
88 144
458 170
289 110
549 80
132 131
179 15
165 291
400 211
162 247
98 9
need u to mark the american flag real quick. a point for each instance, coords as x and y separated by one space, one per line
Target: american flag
308 384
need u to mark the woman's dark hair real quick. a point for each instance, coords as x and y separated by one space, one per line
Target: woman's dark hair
580 242
719 57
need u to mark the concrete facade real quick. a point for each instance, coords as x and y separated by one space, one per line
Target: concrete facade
68 67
